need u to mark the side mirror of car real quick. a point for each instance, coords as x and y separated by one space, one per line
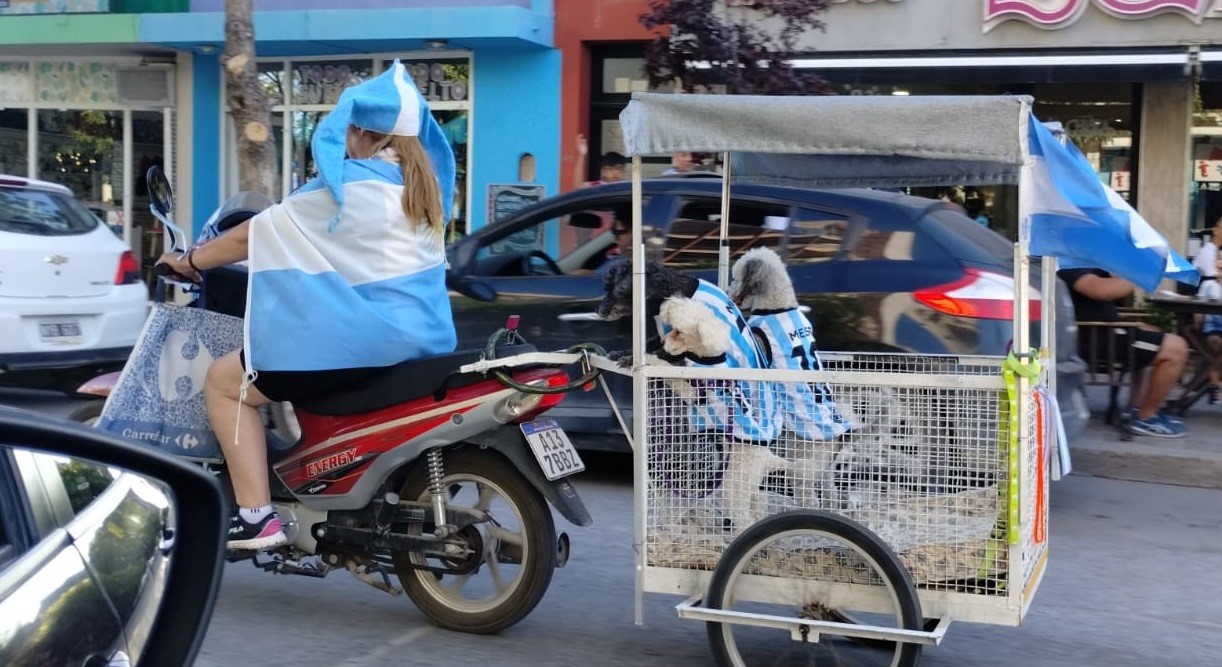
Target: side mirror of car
472 289
150 526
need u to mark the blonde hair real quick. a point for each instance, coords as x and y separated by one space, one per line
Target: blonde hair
421 192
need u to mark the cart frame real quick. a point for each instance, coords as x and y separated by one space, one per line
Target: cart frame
855 141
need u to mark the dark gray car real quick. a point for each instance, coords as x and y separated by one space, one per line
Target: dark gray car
880 271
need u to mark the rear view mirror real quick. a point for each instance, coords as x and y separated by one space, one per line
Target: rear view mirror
586 220
161 195
151 527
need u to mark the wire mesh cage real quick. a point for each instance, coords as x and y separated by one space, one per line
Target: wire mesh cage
916 448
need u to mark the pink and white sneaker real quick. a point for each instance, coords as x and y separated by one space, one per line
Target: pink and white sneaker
266 534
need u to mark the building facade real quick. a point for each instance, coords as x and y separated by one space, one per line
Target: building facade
92 92
1136 83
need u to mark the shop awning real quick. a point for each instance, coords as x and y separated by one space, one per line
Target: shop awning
1119 67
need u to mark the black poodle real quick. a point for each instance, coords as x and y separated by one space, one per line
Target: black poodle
661 283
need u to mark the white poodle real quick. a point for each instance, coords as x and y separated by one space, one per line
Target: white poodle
701 338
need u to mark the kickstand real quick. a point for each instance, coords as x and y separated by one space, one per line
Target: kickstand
365 576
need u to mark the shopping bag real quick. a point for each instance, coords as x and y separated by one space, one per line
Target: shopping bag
159 398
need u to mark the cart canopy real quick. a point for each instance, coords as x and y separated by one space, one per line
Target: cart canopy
839 141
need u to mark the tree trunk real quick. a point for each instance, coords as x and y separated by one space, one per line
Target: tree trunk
248 104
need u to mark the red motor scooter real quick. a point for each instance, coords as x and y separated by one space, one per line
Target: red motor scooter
437 476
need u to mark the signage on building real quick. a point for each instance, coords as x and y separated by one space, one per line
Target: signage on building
1056 14
1207 171
440 81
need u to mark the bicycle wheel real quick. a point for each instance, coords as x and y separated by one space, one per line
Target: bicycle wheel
809 564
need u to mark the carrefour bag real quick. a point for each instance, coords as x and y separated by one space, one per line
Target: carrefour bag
159 398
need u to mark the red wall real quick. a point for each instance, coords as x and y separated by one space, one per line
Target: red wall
579 22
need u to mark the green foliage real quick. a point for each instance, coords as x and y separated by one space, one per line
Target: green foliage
734 43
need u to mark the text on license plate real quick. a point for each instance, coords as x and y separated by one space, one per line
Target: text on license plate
59 329
552 447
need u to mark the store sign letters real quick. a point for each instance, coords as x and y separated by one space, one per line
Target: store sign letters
1055 14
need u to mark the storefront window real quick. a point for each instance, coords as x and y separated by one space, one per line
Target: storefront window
1206 191
14 141
271 76
84 151
301 165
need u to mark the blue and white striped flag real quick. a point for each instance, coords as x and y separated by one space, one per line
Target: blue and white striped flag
1085 224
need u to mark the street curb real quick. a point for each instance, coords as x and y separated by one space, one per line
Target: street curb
1162 461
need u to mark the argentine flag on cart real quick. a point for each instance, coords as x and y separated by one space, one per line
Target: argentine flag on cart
339 278
1085 224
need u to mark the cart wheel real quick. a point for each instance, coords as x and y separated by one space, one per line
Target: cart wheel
803 564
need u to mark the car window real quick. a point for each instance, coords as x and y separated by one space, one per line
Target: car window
575 241
692 237
42 213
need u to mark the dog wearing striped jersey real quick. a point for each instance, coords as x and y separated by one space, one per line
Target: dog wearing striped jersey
698 325
760 284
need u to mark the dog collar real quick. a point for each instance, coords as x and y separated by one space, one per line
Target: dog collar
707 361
776 311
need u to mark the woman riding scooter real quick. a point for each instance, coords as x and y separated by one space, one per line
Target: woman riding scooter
347 277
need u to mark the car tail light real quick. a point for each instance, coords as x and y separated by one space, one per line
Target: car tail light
978 294
129 269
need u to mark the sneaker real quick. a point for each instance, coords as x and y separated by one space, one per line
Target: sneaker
266 534
1159 427
1134 414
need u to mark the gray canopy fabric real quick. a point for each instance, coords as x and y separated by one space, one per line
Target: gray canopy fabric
839 141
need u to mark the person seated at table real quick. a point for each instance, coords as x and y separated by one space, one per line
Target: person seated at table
1094 293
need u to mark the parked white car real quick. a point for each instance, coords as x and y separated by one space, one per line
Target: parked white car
71 299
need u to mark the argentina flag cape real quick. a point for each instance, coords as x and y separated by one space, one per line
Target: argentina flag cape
334 288
748 411
807 407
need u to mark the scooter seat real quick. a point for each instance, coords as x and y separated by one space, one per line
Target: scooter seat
433 375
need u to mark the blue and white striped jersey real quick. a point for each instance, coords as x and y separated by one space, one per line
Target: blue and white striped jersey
808 408
748 411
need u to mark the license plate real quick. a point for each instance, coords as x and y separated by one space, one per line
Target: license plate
59 332
553 449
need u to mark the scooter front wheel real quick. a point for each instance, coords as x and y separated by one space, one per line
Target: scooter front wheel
510 557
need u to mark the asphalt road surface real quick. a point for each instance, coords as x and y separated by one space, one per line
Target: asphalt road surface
1133 579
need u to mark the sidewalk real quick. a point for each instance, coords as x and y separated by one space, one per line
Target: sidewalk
1195 460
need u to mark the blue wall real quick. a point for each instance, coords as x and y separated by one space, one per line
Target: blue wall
517 110
205 142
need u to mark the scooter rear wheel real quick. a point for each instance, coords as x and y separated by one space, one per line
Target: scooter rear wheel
514 552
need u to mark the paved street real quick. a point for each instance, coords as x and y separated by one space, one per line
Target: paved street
1132 580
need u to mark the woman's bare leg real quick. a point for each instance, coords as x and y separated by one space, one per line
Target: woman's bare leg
239 427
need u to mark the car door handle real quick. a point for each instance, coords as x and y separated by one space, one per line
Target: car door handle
580 317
